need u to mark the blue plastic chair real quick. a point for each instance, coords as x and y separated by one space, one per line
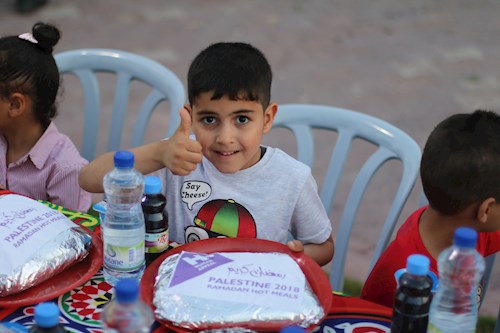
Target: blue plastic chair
165 85
392 143
497 325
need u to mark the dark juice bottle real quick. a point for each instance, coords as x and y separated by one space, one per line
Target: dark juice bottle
413 297
155 218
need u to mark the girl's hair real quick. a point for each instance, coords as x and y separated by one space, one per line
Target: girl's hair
28 67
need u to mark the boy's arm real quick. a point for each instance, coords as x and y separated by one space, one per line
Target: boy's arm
146 161
321 253
179 153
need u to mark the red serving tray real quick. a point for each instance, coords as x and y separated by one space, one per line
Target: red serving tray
312 271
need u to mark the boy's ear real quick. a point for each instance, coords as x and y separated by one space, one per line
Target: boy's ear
17 105
269 115
485 208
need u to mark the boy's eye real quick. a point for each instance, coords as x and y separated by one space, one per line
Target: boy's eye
209 120
242 119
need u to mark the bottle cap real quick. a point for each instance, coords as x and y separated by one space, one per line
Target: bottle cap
417 264
127 290
46 315
465 237
124 159
292 329
152 185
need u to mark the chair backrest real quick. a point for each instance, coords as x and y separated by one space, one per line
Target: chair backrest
488 270
497 325
391 143
128 67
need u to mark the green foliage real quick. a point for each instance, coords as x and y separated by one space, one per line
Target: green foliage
485 324
352 287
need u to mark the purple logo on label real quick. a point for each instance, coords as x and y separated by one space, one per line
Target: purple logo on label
191 265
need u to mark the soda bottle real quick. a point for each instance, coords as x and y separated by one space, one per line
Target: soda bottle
455 304
413 297
123 226
47 319
126 313
155 218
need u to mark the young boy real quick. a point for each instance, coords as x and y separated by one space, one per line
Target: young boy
222 182
460 172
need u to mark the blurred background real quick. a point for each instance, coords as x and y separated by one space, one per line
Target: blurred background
411 63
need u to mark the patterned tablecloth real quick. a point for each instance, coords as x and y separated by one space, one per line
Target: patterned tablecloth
81 307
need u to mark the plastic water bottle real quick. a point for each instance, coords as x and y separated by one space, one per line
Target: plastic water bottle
6 327
47 319
126 313
413 297
455 305
155 218
123 229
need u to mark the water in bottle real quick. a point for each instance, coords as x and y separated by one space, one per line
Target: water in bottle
155 218
123 228
413 297
47 319
126 313
454 308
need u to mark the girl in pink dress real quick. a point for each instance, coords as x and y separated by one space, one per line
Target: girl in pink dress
36 160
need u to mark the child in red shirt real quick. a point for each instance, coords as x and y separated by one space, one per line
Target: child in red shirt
460 172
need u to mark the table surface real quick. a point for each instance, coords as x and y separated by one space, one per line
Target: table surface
81 307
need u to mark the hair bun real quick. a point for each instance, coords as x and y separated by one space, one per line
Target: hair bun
46 35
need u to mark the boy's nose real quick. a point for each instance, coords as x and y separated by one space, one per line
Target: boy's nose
225 134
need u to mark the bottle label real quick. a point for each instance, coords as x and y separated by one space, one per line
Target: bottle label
156 242
433 329
124 258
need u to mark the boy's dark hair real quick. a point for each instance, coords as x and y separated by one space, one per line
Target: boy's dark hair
236 70
461 162
29 68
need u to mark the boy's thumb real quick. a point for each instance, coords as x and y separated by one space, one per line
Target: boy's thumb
185 125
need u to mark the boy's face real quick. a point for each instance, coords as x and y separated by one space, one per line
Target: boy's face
230 132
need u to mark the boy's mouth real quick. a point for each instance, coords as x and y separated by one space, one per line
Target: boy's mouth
226 153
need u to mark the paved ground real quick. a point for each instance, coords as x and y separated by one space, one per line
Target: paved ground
411 63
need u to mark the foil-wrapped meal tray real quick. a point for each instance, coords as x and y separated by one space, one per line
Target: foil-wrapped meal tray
61 252
36 243
236 285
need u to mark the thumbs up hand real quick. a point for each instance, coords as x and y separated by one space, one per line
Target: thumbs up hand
182 154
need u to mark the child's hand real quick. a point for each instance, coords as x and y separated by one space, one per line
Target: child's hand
321 253
182 154
295 245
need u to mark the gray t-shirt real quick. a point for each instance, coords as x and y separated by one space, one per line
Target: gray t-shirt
271 199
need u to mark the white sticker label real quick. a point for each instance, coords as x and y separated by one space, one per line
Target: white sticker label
25 226
237 276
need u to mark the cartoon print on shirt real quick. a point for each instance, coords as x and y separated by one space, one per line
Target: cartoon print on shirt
194 191
219 219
